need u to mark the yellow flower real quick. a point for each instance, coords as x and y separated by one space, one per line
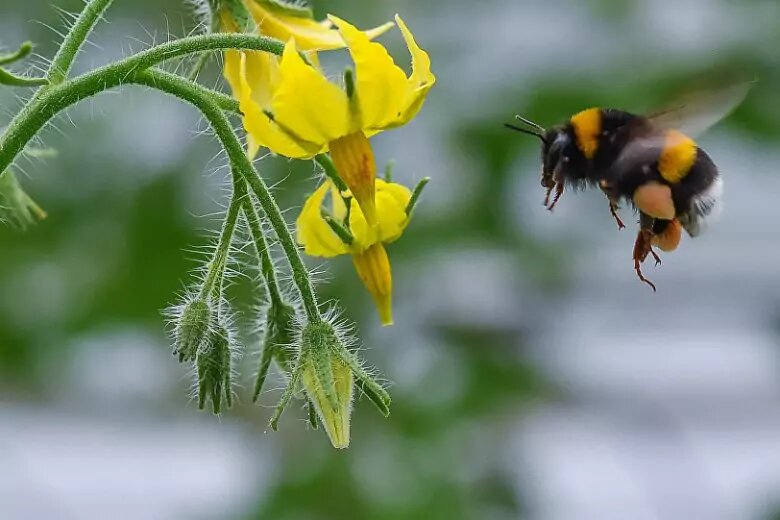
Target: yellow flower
303 113
367 241
283 22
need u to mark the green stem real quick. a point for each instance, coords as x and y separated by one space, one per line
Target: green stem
182 89
13 80
22 52
63 60
261 246
133 70
55 98
212 286
326 163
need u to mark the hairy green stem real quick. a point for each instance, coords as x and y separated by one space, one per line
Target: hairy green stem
326 163
261 246
181 88
55 98
212 285
63 60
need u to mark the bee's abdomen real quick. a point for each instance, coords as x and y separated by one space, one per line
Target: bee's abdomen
678 156
697 196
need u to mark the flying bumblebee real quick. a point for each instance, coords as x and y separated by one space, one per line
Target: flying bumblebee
649 161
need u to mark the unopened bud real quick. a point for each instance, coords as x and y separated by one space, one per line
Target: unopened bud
16 207
192 329
214 377
278 337
328 381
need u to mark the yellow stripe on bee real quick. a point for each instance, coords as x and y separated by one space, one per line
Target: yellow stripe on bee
587 128
677 156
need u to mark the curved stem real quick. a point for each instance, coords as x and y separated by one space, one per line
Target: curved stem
63 60
212 285
53 99
181 88
261 246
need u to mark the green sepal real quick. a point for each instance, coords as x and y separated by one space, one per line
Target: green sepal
344 234
389 171
214 366
278 336
296 10
416 195
240 15
349 82
329 169
193 329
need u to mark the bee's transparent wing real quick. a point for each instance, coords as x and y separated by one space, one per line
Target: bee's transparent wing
692 114
695 112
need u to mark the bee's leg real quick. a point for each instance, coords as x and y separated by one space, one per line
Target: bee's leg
642 248
613 210
606 188
655 256
547 196
558 193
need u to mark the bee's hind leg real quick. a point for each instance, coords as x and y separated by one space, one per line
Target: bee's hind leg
644 247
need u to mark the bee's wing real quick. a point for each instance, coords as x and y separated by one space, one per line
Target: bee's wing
692 114
695 112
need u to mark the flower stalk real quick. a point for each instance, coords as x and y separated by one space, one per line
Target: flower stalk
324 365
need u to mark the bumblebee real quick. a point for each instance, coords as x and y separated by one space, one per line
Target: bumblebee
649 161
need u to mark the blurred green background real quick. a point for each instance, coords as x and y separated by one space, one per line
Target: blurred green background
533 375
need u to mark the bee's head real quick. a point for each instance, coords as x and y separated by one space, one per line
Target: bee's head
554 142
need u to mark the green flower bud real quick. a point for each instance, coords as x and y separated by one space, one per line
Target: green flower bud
16 207
328 372
193 327
328 382
214 371
278 336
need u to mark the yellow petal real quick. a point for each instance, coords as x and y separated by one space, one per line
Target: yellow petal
306 103
314 234
232 72
309 34
373 267
391 202
338 207
262 74
421 80
262 130
381 84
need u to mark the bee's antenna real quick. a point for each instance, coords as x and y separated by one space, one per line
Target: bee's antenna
530 123
527 131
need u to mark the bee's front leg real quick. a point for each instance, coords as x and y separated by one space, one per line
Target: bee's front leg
613 207
606 188
558 192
